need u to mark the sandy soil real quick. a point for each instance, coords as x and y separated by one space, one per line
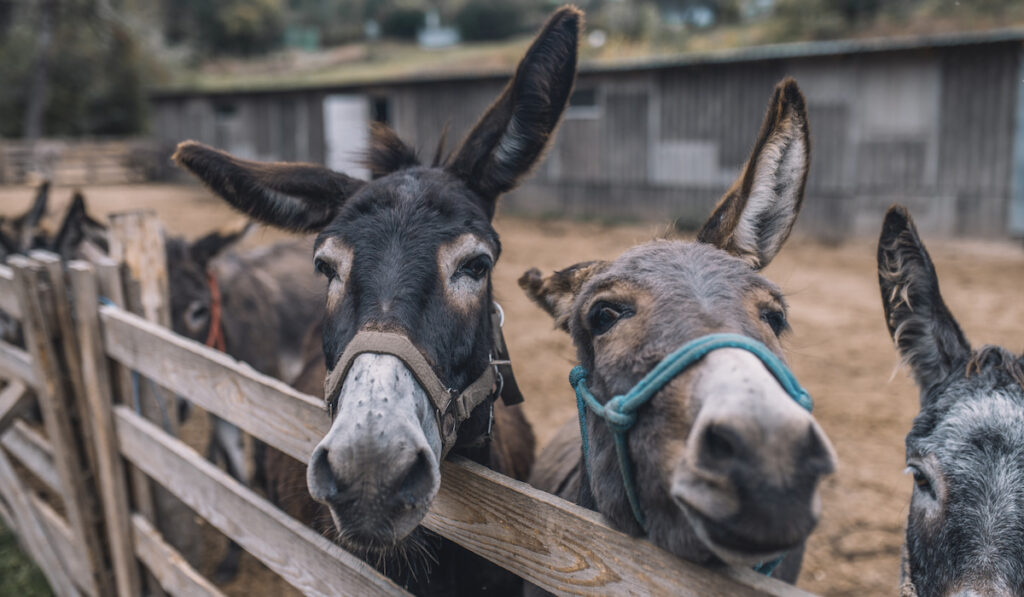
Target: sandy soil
839 349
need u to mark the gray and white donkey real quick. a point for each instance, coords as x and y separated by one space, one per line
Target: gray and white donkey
965 530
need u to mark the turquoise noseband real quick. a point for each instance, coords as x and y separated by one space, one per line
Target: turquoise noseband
620 412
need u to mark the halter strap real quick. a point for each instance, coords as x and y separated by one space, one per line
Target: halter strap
619 413
451 406
215 337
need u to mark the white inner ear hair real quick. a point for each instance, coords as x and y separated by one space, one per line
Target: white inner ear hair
339 256
771 206
462 292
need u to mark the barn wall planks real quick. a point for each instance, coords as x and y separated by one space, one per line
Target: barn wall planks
927 125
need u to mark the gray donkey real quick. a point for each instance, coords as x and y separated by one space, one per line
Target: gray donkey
965 530
724 462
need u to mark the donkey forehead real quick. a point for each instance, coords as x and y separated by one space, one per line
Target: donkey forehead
416 206
973 427
685 277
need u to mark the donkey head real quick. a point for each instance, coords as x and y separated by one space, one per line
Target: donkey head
187 273
965 531
410 254
725 462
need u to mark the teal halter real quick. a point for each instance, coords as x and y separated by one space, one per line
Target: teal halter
620 412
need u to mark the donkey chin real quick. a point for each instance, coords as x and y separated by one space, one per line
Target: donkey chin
378 468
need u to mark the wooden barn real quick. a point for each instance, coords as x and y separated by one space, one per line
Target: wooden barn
934 122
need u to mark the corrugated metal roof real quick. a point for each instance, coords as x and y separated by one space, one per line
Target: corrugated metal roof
748 54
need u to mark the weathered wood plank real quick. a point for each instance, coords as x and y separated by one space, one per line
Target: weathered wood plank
36 299
137 242
301 556
14 398
170 569
15 363
216 382
31 532
8 299
100 419
33 451
566 549
294 423
63 542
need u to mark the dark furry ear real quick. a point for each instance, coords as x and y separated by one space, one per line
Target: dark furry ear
387 152
26 226
204 249
557 292
292 196
78 227
925 332
511 135
754 217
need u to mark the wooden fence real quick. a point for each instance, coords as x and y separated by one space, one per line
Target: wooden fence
82 161
103 538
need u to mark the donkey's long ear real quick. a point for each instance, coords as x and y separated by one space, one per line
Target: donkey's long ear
754 218
511 135
925 332
27 224
292 196
557 292
205 248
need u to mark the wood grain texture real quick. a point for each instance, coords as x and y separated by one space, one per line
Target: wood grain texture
99 419
14 398
33 451
260 405
36 297
8 300
31 532
62 540
170 569
298 554
15 363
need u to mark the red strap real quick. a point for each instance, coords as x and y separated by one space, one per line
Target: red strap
215 338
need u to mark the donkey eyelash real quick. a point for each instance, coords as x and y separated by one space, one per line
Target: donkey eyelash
324 268
475 267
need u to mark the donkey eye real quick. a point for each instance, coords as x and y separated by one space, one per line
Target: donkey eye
604 315
775 319
324 268
476 267
921 481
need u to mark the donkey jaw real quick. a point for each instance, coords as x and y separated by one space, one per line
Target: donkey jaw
378 468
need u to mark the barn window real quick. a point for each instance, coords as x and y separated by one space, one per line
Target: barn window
380 109
584 104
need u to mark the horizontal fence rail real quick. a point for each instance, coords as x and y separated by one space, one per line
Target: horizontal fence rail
555 544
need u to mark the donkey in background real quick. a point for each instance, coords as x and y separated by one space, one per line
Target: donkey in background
409 338
725 463
965 529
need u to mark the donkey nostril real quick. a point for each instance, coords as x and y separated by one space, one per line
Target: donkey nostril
720 443
323 485
416 483
816 456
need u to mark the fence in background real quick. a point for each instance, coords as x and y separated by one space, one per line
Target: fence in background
79 162
100 456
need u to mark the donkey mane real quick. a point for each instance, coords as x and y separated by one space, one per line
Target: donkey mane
387 152
999 358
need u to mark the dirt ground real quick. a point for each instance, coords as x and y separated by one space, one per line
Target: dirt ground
839 349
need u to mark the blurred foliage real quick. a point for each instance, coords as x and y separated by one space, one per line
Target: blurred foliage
242 27
19 576
480 20
402 21
97 73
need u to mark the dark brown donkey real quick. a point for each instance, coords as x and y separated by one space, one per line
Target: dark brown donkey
725 463
408 338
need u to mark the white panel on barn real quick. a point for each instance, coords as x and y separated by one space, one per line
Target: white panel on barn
346 133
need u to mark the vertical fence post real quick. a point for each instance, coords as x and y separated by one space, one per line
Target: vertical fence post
137 241
54 391
98 394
